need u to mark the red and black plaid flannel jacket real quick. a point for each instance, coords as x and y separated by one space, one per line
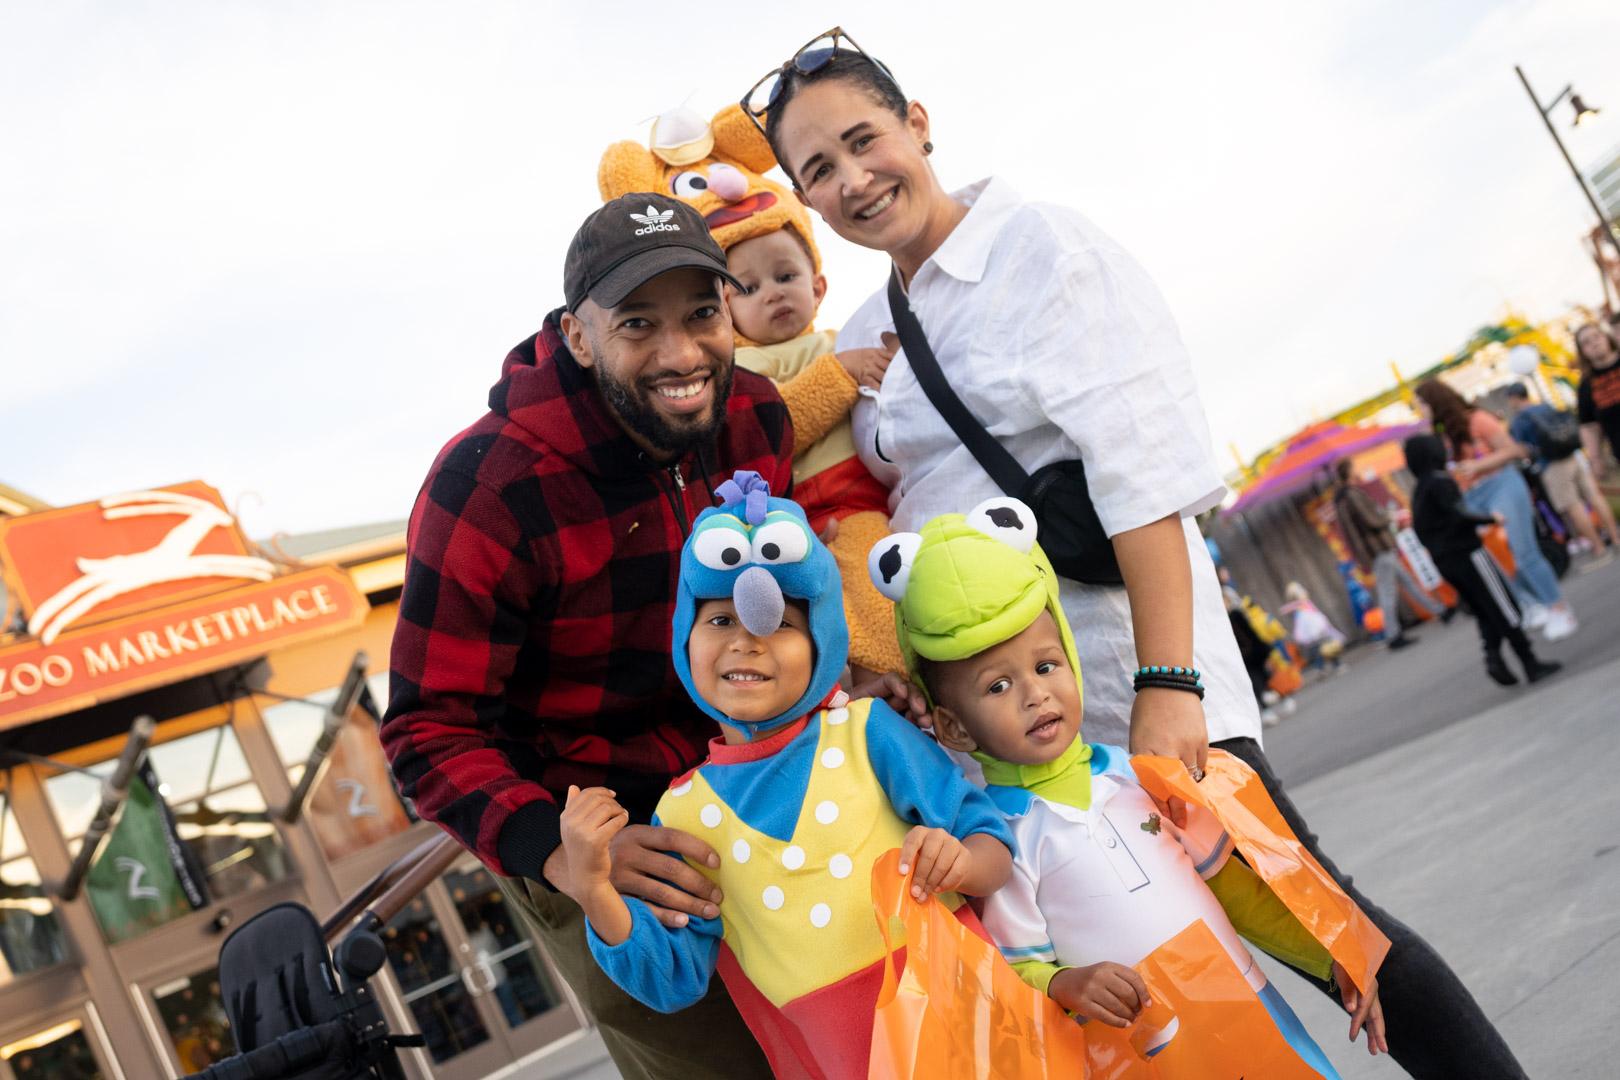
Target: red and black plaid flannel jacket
532 649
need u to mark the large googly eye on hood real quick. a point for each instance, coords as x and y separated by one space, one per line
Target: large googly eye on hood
782 540
721 548
1006 519
889 563
689 184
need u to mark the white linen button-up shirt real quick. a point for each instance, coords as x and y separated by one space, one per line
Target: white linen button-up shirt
1063 348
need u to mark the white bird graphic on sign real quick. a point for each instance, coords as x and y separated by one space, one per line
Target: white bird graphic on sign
174 558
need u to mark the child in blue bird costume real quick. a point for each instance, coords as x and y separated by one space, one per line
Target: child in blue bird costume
799 797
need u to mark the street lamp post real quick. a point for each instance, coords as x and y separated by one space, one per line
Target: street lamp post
1606 228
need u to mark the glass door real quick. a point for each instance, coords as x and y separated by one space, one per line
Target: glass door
441 992
518 986
68 1047
476 985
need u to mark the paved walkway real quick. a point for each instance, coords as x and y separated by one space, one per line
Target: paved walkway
1496 838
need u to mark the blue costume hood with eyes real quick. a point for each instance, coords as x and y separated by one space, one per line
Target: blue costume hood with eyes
758 550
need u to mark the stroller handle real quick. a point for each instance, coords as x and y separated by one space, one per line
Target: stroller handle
386 895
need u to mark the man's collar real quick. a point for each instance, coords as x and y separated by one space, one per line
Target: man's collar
966 250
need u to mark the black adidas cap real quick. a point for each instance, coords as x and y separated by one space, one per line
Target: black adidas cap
632 240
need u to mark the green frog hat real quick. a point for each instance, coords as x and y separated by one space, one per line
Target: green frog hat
966 583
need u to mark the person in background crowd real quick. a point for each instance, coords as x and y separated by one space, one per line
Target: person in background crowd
1256 654
1313 631
1058 341
1597 402
1555 439
1451 533
1487 470
1369 534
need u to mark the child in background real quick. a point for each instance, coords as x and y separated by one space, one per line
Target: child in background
1450 531
1312 631
799 798
1100 879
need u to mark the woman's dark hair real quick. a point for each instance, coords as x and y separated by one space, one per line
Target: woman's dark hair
851 67
1450 411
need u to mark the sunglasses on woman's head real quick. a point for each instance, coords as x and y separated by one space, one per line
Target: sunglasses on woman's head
814 55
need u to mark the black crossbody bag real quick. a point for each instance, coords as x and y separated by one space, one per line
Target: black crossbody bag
1070 532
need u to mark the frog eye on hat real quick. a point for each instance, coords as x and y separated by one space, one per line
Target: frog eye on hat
781 539
1006 519
722 543
889 563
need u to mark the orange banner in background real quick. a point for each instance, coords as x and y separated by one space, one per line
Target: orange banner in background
111 659
1234 793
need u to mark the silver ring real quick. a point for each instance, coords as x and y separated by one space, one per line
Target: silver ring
1195 772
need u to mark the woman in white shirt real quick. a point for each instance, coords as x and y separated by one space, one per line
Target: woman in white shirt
1061 346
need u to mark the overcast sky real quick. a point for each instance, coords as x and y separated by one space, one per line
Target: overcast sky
283 247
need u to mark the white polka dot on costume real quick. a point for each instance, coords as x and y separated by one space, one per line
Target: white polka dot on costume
681 789
840 866
827 812
832 757
837 716
793 857
820 916
741 851
773 898
710 815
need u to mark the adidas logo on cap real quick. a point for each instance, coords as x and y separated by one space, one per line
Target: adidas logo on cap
654 220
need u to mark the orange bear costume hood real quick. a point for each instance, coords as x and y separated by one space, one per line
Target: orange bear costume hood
718 166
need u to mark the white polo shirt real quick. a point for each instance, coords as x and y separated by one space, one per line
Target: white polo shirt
1062 347
1113 882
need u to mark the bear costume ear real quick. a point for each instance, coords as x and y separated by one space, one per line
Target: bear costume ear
625 167
736 138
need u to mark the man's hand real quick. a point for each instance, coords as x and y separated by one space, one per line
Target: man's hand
1109 992
937 861
899 695
590 820
867 366
671 888
1365 1011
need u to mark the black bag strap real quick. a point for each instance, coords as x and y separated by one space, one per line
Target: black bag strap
1003 468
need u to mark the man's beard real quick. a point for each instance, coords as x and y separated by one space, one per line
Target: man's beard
632 404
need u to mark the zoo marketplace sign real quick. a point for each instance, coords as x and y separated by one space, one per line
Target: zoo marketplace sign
144 589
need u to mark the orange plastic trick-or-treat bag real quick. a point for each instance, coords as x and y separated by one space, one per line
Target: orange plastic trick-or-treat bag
1205 1023
959 1010
1234 793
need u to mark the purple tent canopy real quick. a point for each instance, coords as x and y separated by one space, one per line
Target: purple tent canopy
1310 452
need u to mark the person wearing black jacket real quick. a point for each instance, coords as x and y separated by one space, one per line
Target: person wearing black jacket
1450 531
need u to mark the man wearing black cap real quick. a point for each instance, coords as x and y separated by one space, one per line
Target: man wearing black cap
532 649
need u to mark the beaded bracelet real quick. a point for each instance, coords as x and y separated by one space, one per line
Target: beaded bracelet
1161 669
1162 683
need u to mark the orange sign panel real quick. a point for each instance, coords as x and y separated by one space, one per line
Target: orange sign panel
84 564
83 665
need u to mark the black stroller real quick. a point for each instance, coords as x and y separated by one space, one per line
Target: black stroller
294 1013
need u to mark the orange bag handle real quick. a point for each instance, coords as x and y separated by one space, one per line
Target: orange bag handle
1237 797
